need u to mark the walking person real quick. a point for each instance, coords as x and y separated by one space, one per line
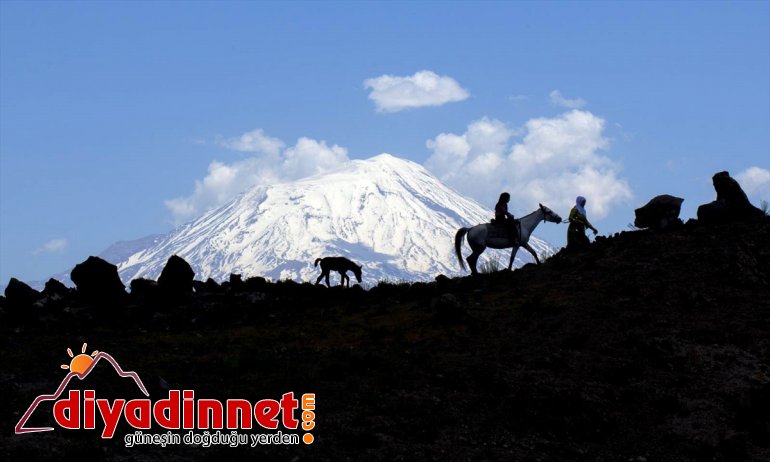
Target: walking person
578 222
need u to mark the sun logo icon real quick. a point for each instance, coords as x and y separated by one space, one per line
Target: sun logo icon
81 362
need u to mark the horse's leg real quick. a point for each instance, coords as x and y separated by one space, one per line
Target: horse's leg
326 273
532 251
344 276
513 256
473 258
318 281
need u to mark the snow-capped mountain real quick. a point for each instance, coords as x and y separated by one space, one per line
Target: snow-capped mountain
389 214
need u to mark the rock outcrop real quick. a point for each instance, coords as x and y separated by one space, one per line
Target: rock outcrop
731 204
176 277
55 288
20 295
97 281
659 213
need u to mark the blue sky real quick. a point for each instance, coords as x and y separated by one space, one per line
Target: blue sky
111 112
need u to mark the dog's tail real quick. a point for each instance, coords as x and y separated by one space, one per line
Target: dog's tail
317 260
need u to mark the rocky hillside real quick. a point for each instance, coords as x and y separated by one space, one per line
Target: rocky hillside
649 346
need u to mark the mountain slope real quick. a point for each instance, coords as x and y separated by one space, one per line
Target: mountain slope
386 213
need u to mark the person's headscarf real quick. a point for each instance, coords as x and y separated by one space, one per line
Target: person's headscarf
580 203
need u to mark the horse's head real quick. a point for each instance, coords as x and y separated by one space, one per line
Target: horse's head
357 272
550 215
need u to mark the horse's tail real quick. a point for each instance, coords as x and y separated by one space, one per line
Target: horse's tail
317 260
458 243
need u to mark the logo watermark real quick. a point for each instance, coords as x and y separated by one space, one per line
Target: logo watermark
179 410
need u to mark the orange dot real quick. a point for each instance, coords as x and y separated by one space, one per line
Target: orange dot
308 438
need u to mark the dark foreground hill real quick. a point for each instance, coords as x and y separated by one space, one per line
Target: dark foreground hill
648 347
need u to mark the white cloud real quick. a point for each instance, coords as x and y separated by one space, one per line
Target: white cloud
570 139
517 97
554 160
488 135
559 100
392 93
52 246
254 141
755 181
272 165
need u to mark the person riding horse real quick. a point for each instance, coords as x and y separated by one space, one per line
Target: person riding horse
485 235
503 217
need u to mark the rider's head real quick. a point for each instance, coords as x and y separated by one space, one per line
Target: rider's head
505 197
581 201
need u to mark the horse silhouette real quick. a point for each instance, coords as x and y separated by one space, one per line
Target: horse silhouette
488 235
339 264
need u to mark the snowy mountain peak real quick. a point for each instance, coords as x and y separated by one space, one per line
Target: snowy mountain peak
389 214
386 160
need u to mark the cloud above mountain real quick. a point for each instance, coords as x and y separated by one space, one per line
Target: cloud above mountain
271 163
392 93
548 160
254 141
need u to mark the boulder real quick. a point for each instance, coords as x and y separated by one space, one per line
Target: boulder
255 284
659 213
236 283
732 204
144 288
177 277
19 294
210 286
199 287
442 280
98 280
54 288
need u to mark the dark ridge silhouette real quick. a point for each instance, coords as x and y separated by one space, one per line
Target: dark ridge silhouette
731 203
339 264
660 212
648 345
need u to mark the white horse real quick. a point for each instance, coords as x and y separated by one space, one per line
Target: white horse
488 235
